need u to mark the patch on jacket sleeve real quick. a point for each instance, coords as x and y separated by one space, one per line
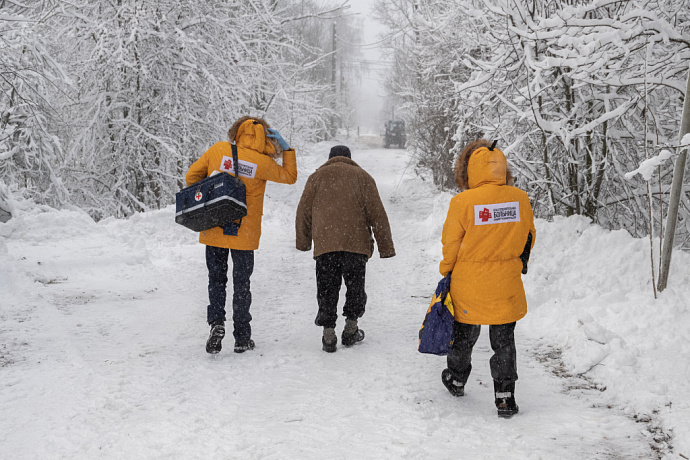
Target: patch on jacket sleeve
246 168
499 213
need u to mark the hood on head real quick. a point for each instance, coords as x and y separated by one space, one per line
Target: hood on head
250 132
486 167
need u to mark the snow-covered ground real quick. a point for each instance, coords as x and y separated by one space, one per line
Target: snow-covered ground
102 334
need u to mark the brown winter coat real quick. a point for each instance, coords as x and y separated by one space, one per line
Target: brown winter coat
339 208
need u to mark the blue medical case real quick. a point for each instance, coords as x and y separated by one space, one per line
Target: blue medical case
212 202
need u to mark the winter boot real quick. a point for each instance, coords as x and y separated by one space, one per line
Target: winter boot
506 405
454 386
351 333
505 399
329 340
213 344
243 345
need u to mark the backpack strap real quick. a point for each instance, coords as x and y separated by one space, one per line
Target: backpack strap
235 160
232 228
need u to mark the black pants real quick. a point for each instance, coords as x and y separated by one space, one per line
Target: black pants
503 363
242 269
331 269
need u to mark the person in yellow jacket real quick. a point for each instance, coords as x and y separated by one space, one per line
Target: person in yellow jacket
487 236
256 152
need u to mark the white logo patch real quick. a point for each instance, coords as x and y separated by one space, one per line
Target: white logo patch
499 213
245 168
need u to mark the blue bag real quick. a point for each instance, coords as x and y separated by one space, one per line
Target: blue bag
436 333
216 201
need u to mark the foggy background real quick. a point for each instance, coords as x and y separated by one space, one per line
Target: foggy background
369 99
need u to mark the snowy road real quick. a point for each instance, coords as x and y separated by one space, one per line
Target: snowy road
102 333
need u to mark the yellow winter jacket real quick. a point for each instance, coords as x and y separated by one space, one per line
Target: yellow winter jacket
484 234
256 167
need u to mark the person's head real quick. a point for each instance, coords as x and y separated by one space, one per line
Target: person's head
491 162
339 151
251 132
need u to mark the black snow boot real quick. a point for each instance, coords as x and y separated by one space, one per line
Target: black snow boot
505 399
507 407
213 344
454 386
351 333
329 340
243 345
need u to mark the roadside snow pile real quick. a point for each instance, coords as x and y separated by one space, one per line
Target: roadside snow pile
590 295
35 225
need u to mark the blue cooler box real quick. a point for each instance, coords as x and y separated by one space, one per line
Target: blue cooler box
212 202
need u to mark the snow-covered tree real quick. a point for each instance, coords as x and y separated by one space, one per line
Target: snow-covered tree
329 38
30 152
424 52
573 90
106 103
158 82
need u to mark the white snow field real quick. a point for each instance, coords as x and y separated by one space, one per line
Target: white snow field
102 335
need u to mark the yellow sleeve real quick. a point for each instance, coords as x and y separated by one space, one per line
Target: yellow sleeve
530 222
198 170
453 233
283 174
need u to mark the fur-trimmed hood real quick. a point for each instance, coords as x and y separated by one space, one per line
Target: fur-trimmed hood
250 132
494 167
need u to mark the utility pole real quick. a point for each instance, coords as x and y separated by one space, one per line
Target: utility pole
676 192
334 79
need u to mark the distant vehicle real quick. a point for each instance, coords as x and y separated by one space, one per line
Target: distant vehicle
394 134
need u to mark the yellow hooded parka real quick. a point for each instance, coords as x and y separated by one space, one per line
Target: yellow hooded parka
256 167
484 234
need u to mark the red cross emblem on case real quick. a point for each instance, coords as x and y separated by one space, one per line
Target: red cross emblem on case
485 215
198 195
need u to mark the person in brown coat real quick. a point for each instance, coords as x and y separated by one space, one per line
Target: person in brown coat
339 209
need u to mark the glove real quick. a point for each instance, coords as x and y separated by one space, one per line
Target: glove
274 134
524 257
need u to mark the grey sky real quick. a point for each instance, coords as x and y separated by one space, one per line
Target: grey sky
369 97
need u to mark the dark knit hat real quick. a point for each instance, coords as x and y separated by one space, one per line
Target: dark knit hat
339 151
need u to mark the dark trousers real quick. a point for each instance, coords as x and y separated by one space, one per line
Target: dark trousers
503 363
242 268
331 269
